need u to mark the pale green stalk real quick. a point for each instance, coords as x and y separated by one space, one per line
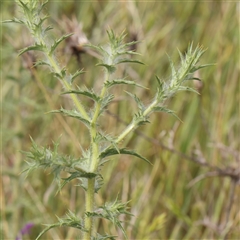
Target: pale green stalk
94 164
134 124
67 86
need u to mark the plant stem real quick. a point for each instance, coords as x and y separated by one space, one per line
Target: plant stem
93 166
68 87
133 124
89 197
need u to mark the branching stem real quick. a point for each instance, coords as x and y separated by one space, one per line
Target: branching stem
68 87
134 124
93 166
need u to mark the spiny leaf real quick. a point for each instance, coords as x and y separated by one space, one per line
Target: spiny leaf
48 28
76 175
86 92
105 237
25 8
112 151
41 63
111 53
57 42
138 101
183 88
73 114
174 72
38 26
194 69
115 41
160 83
99 49
60 74
140 118
36 47
14 20
163 109
127 60
113 82
181 56
111 212
98 183
105 101
40 157
71 220
77 73
160 90
107 138
190 60
110 68
42 6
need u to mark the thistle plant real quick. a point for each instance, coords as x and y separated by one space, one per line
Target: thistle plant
87 168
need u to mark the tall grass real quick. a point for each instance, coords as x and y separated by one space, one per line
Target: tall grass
192 191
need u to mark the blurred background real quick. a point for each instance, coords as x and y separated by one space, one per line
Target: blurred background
192 189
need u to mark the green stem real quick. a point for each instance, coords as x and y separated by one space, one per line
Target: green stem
134 124
68 87
30 15
93 167
89 197
93 129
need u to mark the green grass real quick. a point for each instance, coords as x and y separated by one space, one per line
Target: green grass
164 204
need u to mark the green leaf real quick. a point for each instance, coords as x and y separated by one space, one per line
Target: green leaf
111 211
110 68
76 175
160 95
61 74
106 137
163 109
86 92
38 26
25 8
194 69
137 100
127 60
14 20
174 73
73 114
42 6
113 82
140 118
112 151
76 74
40 157
112 52
36 47
100 237
71 220
98 183
159 81
48 28
181 57
99 49
41 63
183 88
105 101
57 42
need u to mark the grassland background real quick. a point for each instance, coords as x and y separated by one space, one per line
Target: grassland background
165 198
